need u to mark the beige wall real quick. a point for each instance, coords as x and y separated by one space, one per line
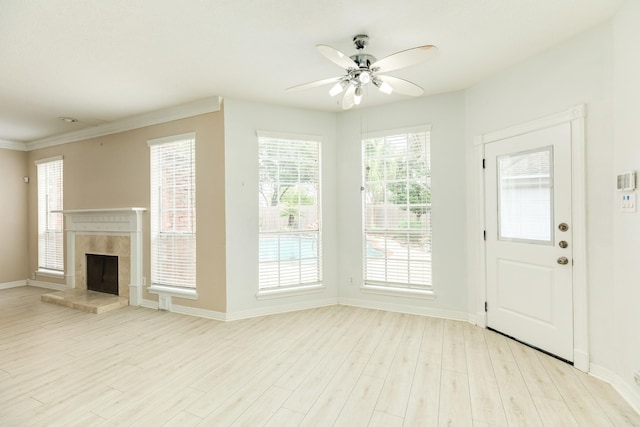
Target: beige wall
13 216
113 172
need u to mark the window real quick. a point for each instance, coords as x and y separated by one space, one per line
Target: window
397 210
173 211
50 223
525 196
289 212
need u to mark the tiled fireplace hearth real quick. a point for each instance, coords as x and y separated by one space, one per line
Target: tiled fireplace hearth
116 232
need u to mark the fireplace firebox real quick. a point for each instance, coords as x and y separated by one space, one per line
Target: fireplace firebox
102 273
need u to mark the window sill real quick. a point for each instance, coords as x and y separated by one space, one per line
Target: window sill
398 292
54 274
173 291
292 291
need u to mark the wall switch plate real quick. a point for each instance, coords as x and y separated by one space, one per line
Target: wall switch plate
627 202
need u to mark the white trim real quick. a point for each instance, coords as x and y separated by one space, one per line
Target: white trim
284 308
290 291
174 291
46 285
628 393
199 312
576 117
13 145
247 314
196 108
48 160
52 274
397 131
390 290
573 113
173 138
16 284
407 309
478 240
288 135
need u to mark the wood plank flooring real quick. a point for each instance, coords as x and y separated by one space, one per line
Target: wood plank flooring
332 366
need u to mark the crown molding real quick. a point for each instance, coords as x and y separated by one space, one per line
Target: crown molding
12 145
203 106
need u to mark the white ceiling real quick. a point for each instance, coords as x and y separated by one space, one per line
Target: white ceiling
106 60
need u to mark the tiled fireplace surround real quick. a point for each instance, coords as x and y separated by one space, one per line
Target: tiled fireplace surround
106 232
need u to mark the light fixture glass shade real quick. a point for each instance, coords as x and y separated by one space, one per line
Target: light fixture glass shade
336 89
383 86
364 77
357 98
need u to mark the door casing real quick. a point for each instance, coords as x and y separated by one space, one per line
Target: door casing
576 117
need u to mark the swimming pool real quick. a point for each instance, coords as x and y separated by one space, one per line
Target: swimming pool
288 248
294 247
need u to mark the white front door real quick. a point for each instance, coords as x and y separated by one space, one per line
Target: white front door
529 238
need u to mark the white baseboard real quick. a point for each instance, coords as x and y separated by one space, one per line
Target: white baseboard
246 314
198 312
408 309
15 284
147 303
626 390
478 319
581 360
46 285
281 308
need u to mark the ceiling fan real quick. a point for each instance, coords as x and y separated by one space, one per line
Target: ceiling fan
362 69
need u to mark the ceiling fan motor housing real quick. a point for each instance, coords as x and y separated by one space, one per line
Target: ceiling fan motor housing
360 41
364 60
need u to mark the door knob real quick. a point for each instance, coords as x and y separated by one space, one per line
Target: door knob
563 244
563 227
563 260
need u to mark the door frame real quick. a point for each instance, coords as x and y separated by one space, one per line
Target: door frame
576 117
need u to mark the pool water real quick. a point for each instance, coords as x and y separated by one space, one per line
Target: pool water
288 248
291 248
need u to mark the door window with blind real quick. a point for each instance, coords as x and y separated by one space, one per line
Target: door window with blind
173 211
290 243
397 210
50 223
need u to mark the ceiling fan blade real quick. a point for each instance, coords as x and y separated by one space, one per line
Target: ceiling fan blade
348 101
336 56
313 84
402 86
404 58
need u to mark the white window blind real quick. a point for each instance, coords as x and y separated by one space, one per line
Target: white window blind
290 243
173 211
50 224
397 210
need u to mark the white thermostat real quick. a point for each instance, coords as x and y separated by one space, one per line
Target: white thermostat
627 181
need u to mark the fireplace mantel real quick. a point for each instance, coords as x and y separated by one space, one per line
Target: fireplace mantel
112 220
109 221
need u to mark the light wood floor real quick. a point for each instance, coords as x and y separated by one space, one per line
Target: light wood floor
333 366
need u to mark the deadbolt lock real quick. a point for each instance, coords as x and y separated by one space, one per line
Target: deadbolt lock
563 226
563 244
563 260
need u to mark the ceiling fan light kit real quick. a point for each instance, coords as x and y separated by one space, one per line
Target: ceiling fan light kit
362 69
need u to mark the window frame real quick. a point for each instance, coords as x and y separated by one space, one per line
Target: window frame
395 288
302 287
161 284
56 266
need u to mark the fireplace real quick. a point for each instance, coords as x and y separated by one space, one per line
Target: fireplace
115 232
102 273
